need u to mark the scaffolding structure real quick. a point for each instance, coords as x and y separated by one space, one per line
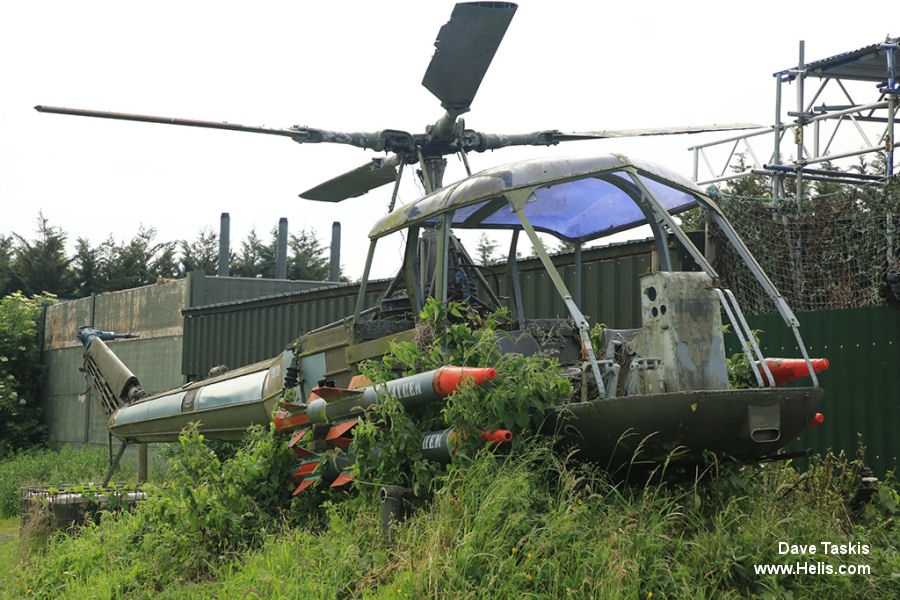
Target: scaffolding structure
837 129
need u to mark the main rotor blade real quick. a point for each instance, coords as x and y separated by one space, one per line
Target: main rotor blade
680 130
474 141
78 112
464 49
357 182
302 135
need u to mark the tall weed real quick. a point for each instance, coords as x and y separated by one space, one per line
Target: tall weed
207 515
531 524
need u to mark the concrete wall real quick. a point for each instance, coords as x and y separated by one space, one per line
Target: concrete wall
153 312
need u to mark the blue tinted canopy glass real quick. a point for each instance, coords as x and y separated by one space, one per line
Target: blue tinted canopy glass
576 201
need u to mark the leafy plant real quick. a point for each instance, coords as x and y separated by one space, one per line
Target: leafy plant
21 372
740 370
388 441
219 508
532 523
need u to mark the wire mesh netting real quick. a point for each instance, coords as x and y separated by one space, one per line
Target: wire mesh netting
825 252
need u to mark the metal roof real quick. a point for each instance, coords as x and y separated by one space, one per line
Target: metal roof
869 63
576 199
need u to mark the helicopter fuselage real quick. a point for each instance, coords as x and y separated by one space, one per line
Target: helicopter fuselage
660 387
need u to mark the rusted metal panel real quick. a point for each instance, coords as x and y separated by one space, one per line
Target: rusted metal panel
151 311
861 402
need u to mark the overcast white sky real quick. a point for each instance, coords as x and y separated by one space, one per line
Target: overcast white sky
355 66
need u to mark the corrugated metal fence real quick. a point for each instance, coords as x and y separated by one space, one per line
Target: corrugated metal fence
862 393
246 331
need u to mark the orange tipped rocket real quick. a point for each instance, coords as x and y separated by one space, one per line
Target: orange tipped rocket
497 436
336 407
448 379
329 404
440 445
785 370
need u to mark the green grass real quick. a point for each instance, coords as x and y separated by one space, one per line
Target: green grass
531 525
9 544
64 465
36 468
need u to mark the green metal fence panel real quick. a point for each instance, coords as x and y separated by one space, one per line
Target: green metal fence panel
862 398
207 289
609 284
247 331
611 291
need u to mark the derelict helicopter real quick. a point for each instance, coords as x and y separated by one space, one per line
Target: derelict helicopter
657 388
